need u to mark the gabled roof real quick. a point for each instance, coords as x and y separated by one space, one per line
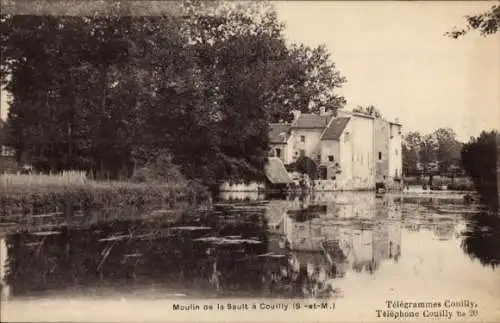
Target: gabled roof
279 133
335 129
311 121
276 172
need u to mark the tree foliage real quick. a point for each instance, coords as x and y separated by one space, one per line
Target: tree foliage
411 148
305 165
480 159
487 23
436 152
110 92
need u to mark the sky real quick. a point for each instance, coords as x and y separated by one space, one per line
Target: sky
395 56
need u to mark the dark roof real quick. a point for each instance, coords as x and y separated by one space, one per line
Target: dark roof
279 133
276 172
311 121
334 130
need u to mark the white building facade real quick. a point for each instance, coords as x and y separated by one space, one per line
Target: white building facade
353 151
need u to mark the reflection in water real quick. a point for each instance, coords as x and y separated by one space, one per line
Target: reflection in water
299 247
356 231
223 253
482 239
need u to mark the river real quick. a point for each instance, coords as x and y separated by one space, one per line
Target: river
354 250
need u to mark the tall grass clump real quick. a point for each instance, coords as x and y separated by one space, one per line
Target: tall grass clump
70 193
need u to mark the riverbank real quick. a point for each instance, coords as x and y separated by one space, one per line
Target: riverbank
441 182
67 197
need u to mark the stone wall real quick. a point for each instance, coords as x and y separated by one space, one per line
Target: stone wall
381 149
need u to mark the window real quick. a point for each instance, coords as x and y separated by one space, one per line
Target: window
397 152
379 155
302 138
330 158
278 152
302 153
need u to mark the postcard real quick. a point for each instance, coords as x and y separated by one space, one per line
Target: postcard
249 161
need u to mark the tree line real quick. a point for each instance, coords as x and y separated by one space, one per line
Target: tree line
434 153
113 91
481 161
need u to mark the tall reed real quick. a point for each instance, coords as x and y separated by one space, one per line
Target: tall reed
71 192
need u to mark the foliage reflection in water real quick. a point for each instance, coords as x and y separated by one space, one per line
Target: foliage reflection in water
290 248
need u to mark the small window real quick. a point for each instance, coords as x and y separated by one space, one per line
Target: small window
302 138
278 152
379 155
397 152
302 153
330 158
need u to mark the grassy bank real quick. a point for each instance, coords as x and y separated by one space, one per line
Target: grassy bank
72 193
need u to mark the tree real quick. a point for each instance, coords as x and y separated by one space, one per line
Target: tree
411 153
428 152
305 165
72 104
487 23
111 92
480 159
448 149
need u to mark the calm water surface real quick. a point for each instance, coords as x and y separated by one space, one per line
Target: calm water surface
346 248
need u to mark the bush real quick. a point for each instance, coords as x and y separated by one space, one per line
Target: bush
159 170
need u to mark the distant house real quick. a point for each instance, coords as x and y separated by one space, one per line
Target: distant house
353 150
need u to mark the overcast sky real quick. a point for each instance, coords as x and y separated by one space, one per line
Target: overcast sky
395 56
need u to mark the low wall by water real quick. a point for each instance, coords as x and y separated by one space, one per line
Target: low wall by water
354 184
242 187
